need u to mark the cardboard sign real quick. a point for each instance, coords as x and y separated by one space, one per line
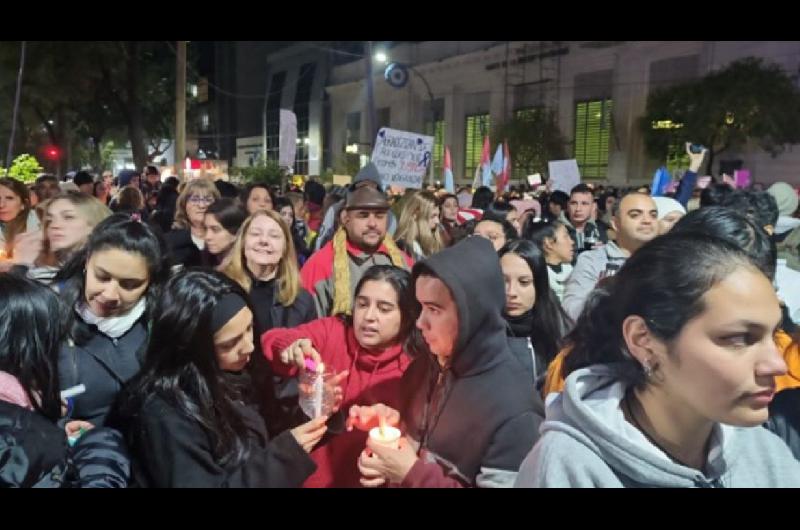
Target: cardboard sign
402 158
564 175
535 179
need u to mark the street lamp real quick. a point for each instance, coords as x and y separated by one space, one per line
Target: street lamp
381 57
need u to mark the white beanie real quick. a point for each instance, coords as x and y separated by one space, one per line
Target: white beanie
667 205
785 196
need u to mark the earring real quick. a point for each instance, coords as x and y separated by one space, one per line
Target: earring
648 370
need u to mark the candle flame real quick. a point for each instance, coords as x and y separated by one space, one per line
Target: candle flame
321 368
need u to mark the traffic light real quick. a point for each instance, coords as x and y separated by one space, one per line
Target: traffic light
52 152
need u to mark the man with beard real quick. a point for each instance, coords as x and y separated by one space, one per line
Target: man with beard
332 273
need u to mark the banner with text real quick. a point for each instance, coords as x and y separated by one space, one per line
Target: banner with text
402 158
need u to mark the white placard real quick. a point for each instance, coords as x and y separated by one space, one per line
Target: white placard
564 175
402 157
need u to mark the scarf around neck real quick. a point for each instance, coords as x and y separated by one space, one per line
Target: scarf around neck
113 327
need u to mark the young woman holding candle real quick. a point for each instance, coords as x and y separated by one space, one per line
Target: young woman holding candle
190 418
369 352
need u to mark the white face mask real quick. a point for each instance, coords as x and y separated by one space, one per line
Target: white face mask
113 327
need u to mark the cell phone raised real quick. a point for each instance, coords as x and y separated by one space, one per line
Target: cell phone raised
696 149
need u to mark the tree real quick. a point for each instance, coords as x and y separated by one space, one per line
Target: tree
747 101
269 172
534 139
78 95
25 168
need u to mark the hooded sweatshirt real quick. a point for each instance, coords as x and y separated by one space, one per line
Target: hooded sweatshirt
592 266
587 442
473 421
374 378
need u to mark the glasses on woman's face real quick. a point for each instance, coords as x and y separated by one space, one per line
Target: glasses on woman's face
198 199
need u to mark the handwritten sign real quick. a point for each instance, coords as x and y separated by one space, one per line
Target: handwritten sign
564 175
402 158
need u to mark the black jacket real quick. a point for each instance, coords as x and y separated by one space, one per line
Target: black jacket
784 418
182 249
172 450
34 453
279 405
103 365
483 397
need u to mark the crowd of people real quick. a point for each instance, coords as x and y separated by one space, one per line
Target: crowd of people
162 334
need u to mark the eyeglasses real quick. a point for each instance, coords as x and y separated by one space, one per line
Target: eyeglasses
198 199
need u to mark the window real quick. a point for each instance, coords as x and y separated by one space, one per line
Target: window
477 128
204 121
352 129
274 115
592 132
301 100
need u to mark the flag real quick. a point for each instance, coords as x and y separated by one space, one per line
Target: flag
661 180
497 162
486 167
449 185
505 173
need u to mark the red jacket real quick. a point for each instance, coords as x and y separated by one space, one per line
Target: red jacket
374 378
317 273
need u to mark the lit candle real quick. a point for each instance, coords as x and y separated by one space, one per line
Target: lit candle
386 436
317 390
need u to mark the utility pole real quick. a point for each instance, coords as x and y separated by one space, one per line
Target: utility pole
370 96
180 108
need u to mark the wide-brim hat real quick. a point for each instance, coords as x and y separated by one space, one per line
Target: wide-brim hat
366 198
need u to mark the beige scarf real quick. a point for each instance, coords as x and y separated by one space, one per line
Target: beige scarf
342 299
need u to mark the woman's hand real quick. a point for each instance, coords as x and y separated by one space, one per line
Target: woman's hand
76 428
366 418
297 352
386 463
310 433
27 247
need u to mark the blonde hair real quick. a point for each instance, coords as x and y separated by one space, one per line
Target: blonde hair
414 223
89 208
203 185
287 276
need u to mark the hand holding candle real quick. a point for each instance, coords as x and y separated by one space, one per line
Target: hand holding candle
365 418
382 462
385 435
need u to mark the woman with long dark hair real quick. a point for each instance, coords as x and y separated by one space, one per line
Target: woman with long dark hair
188 417
108 289
369 350
33 447
671 372
536 321
17 217
552 237
222 222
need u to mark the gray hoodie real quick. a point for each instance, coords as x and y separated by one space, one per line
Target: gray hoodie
592 265
586 442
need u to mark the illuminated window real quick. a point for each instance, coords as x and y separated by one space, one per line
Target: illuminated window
592 132
477 128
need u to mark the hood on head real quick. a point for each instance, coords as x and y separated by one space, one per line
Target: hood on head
471 271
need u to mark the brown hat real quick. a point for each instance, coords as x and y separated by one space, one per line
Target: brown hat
366 198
